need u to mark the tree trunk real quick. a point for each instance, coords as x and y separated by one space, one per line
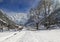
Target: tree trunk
2 29
37 27
8 29
48 26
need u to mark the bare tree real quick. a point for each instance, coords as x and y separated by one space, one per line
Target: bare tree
45 7
34 14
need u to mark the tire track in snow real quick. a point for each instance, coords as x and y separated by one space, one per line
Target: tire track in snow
7 37
14 38
28 37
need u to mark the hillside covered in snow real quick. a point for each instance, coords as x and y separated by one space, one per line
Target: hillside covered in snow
19 18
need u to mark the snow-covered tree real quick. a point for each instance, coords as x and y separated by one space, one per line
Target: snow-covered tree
34 15
45 7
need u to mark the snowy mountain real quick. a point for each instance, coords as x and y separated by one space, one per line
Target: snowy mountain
19 18
5 19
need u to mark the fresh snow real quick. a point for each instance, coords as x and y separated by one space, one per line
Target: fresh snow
31 36
6 35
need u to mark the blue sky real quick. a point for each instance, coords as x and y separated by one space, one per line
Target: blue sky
17 5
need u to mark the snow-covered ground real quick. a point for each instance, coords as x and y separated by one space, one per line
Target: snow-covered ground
6 35
31 36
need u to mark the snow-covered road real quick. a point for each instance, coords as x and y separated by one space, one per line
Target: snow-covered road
14 37
35 36
41 36
6 35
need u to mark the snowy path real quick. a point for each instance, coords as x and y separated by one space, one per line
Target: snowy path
41 36
35 36
6 35
15 37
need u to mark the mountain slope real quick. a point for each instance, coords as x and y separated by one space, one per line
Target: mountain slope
19 18
5 18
